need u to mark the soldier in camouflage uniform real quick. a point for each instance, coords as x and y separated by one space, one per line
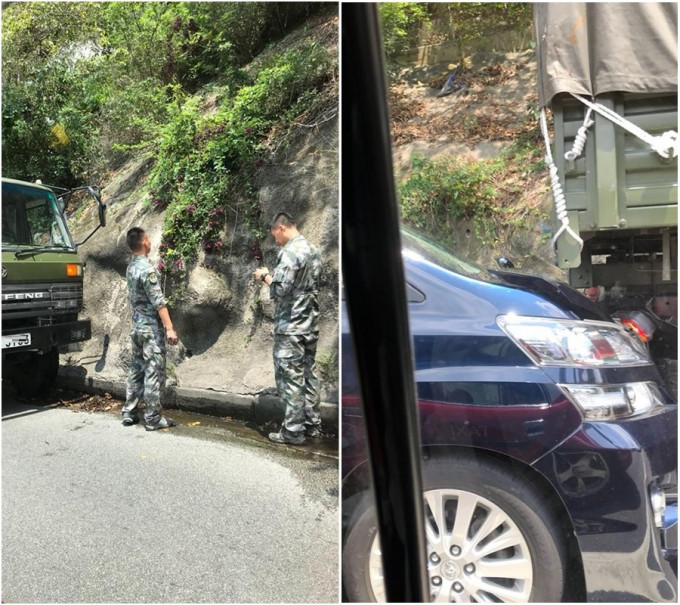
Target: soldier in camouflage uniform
151 325
294 287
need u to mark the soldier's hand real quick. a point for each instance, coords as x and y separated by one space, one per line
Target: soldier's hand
172 337
258 273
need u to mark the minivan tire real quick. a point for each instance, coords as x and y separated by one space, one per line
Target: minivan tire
498 489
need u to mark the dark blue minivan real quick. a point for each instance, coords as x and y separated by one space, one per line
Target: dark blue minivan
549 445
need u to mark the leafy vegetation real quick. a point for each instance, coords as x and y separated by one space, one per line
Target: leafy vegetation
480 192
85 83
406 25
327 365
439 188
401 23
207 162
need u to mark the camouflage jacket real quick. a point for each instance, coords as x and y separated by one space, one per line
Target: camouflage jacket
144 293
295 288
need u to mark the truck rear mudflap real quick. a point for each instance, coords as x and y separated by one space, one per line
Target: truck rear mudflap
45 338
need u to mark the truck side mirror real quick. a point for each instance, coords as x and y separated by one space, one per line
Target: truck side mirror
102 213
505 263
101 210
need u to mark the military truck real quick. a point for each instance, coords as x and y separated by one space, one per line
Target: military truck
42 282
609 73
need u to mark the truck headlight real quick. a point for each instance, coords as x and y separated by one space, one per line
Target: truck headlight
562 342
614 401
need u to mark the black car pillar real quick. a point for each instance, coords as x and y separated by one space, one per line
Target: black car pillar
376 302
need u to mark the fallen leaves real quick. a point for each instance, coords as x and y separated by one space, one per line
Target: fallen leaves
92 403
493 107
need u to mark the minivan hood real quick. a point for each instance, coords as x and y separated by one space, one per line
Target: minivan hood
556 292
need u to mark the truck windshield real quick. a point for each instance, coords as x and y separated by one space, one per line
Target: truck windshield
31 218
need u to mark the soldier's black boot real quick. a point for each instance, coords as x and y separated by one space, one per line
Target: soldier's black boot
129 419
280 437
162 423
314 431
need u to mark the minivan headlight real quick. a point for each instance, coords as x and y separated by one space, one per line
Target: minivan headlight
614 401
562 342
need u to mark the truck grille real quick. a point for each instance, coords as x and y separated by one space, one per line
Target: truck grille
40 305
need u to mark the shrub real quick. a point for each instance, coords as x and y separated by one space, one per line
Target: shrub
400 23
207 163
439 190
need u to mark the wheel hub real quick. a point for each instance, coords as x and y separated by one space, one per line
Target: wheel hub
487 543
450 570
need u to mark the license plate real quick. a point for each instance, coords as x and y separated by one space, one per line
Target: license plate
16 340
77 335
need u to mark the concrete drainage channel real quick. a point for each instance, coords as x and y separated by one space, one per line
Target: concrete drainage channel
261 408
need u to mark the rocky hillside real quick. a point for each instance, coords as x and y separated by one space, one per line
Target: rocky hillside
223 319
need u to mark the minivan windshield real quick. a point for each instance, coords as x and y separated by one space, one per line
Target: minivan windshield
415 242
31 218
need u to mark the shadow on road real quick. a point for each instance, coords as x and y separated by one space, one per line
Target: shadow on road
15 406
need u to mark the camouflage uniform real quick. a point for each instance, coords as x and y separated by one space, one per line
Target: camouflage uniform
295 288
146 379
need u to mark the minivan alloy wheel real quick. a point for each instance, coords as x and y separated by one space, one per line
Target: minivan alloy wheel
475 552
491 537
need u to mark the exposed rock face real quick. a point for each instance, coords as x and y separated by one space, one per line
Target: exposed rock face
224 320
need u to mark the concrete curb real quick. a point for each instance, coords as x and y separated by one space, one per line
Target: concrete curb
260 408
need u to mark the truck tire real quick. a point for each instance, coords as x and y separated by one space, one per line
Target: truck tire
496 501
36 374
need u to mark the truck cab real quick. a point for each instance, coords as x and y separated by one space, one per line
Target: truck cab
42 283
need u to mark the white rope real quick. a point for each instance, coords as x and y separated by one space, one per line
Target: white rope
580 140
558 194
666 145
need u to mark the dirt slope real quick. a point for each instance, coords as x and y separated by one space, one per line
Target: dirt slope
496 107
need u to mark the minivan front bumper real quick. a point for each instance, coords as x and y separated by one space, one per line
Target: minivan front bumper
606 474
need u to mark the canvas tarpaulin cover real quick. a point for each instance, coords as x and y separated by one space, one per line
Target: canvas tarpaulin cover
591 48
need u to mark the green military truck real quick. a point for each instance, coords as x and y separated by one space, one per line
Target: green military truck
609 73
42 283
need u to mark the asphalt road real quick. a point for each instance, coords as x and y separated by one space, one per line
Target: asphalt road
96 512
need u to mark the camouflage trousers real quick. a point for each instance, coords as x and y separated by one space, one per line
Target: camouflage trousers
296 381
146 379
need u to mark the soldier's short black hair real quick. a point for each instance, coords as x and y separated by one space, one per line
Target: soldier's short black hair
282 218
134 238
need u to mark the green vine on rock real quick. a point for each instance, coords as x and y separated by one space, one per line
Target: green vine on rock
207 163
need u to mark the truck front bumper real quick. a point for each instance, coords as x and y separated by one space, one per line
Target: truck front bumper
45 338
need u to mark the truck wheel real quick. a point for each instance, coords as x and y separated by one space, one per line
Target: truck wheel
490 538
36 374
